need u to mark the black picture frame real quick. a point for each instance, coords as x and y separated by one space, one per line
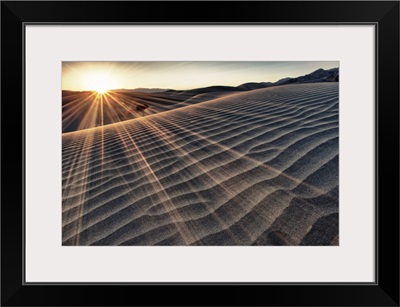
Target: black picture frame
383 14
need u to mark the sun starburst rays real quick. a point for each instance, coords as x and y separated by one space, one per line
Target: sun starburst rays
131 152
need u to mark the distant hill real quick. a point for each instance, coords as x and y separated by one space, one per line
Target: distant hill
254 85
208 89
320 75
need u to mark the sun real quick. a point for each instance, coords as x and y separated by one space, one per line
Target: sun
101 89
99 81
101 85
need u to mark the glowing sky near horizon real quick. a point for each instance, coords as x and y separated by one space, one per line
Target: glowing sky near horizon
80 76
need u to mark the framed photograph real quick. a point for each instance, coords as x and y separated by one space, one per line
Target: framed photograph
247 150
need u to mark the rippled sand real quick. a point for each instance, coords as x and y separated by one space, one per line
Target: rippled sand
251 168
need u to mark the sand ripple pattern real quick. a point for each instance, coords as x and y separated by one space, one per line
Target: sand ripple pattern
251 168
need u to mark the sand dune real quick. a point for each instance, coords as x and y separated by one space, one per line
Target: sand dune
251 168
88 109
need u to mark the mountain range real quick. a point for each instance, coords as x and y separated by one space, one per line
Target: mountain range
320 75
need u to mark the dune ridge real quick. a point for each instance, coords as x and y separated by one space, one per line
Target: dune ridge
251 168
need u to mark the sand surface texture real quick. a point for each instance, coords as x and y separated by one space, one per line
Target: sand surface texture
249 168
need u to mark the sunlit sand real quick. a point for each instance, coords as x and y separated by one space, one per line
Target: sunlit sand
258 167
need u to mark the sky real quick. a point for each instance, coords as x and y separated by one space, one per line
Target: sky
101 76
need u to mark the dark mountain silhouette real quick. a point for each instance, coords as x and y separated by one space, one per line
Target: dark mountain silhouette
254 85
320 75
208 89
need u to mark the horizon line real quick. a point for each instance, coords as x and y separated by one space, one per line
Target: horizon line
188 89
